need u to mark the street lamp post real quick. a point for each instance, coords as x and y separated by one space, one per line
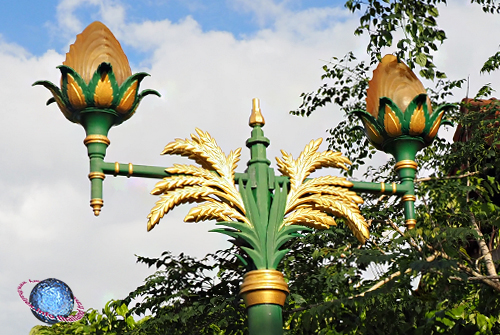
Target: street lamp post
259 209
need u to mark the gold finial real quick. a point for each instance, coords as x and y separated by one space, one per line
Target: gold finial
96 205
256 118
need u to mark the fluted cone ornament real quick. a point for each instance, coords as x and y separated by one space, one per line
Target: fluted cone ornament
96 76
398 106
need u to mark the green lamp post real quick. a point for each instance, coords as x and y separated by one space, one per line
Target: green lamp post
97 91
399 120
257 208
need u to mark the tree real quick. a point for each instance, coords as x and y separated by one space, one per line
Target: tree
450 253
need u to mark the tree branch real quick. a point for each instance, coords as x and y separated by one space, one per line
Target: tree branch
411 240
468 174
388 279
476 278
485 251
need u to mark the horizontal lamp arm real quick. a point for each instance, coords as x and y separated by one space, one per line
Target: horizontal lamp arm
133 170
158 172
382 188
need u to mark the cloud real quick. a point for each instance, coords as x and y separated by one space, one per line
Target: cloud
70 15
265 11
469 44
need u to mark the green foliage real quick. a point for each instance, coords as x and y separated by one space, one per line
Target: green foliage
417 20
492 64
189 296
184 296
114 319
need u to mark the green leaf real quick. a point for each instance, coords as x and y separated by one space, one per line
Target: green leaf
421 59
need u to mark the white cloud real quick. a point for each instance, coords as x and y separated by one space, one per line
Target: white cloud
265 11
69 20
470 42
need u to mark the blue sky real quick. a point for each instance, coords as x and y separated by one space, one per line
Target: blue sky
29 25
208 62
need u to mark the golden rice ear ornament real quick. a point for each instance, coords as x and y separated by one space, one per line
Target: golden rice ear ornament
395 80
95 45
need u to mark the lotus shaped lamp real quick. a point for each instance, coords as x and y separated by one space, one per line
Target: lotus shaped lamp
96 77
397 107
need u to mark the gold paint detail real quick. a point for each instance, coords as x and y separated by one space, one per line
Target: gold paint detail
96 205
395 80
435 127
406 163
391 123
417 121
372 132
314 202
94 175
130 170
410 223
408 197
96 139
95 45
128 99
382 187
394 188
211 184
256 116
117 169
103 94
264 287
75 94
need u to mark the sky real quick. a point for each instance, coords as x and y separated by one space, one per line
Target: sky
208 59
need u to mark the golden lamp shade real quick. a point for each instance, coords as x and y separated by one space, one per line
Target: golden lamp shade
397 106
393 79
96 45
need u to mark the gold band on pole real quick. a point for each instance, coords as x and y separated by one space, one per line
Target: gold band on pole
130 170
408 197
96 139
117 169
394 188
264 287
407 163
93 175
410 223
382 187
96 204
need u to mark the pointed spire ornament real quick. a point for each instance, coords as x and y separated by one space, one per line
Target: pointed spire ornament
256 117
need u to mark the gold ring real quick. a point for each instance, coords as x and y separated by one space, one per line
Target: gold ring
96 139
407 163
394 188
264 287
93 175
408 197
382 187
130 170
117 168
